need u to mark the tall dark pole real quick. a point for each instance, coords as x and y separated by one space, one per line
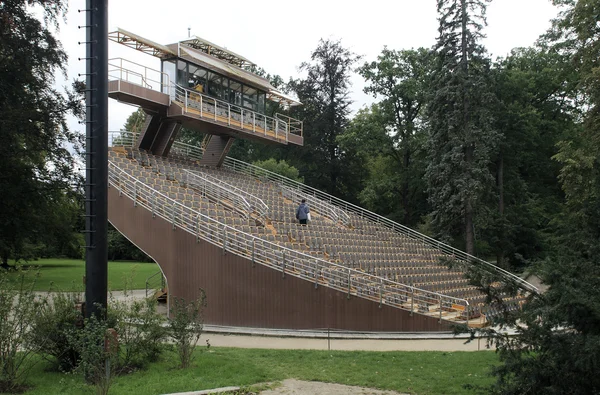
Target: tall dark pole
96 187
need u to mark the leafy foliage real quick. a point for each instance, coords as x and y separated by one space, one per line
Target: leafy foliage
397 134
280 167
38 167
185 326
325 111
18 308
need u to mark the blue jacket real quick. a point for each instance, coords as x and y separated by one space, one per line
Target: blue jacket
302 211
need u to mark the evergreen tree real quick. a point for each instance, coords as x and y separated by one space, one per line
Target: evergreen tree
461 138
38 168
557 350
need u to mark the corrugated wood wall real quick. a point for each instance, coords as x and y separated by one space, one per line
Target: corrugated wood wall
239 294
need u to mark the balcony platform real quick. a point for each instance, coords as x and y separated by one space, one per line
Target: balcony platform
204 114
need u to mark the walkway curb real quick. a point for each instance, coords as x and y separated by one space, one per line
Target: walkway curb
206 392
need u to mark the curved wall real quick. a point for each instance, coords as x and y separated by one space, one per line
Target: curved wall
239 294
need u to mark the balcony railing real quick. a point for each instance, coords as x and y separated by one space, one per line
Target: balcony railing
198 104
135 73
287 261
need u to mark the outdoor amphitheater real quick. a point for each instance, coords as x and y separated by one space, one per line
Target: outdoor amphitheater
221 226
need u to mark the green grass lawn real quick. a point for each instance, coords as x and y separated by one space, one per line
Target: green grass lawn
407 372
67 274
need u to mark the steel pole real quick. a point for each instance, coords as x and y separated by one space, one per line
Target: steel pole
96 187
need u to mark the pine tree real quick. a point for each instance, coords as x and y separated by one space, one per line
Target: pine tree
461 139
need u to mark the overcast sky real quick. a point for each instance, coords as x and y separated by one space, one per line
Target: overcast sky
279 35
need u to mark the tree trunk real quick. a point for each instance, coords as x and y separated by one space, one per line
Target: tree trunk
4 260
500 254
407 213
469 234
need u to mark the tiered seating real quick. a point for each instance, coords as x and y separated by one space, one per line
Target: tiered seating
364 245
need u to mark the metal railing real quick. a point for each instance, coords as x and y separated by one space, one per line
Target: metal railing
154 283
345 207
218 191
187 150
259 206
135 73
306 191
315 205
294 126
206 107
286 261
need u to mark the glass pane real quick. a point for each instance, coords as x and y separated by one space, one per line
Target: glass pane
235 93
215 88
261 102
168 83
250 98
199 77
182 73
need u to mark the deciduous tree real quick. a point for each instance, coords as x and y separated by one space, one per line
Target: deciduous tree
38 164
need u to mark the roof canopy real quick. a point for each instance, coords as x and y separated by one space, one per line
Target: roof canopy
216 51
134 41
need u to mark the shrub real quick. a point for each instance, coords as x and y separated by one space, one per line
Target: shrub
140 330
98 349
18 308
53 329
186 324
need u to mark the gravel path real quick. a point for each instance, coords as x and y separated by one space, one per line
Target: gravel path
298 387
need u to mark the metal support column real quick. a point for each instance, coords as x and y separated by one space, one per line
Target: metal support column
96 189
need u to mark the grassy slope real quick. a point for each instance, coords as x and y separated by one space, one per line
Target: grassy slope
67 274
408 372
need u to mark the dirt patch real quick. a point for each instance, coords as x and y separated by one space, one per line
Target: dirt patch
298 387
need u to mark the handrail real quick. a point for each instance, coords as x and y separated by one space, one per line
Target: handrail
294 126
317 205
150 283
218 192
141 72
189 151
257 203
125 138
288 261
197 103
305 190
246 168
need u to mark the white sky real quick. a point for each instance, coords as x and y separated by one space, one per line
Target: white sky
279 35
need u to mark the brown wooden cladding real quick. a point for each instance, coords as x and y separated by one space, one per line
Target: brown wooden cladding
239 294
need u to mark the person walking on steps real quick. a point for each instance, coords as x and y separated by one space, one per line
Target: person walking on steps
303 212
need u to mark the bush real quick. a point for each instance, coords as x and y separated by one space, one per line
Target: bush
140 330
98 349
53 330
18 308
186 324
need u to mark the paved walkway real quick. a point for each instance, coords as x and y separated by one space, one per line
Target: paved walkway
299 343
322 339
